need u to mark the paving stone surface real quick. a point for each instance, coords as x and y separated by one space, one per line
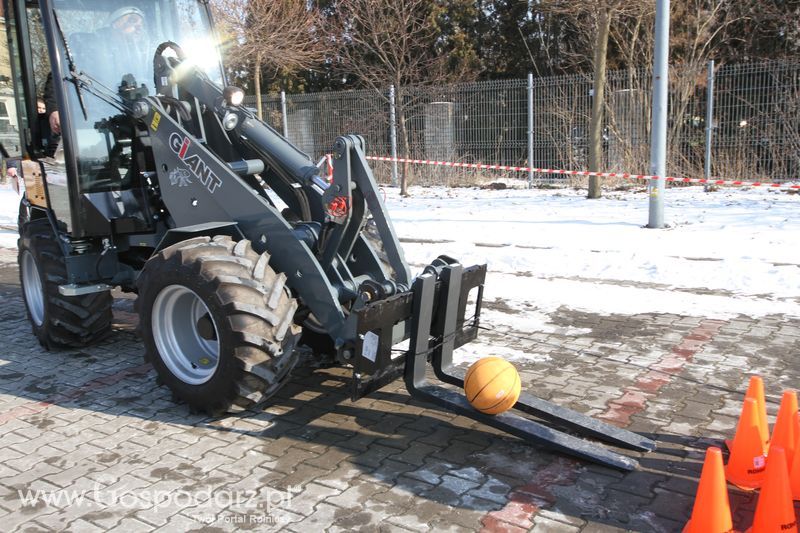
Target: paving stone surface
90 442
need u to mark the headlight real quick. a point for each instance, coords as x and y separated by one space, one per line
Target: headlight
230 121
234 96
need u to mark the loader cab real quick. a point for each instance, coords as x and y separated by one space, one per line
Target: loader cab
94 169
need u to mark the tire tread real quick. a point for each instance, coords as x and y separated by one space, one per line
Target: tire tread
257 306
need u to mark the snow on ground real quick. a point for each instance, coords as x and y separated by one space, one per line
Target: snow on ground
725 253
9 210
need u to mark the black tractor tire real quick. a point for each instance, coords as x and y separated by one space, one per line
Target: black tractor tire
58 321
251 333
24 216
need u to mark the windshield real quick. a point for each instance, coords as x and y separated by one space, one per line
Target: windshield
110 39
113 42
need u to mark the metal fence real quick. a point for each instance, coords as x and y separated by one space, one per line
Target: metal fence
755 133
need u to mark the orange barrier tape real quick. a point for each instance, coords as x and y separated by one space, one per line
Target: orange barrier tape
624 175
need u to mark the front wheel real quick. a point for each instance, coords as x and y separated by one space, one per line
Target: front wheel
217 323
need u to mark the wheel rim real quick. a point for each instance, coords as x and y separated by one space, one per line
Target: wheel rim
32 284
176 320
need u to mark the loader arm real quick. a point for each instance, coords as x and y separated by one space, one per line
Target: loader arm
327 259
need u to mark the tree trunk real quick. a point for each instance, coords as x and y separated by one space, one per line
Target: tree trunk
401 115
259 106
598 102
401 119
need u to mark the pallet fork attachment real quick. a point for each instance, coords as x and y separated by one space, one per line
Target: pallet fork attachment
435 308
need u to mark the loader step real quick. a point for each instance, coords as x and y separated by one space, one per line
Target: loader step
75 289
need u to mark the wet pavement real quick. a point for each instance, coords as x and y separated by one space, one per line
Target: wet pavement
89 441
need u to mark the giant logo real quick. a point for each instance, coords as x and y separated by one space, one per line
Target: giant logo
200 169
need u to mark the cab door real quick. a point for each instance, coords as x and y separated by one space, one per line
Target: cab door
25 52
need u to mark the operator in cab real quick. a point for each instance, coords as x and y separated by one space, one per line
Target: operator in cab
126 29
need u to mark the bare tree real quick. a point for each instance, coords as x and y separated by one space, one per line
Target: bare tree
632 37
279 35
382 43
604 13
620 34
594 21
707 25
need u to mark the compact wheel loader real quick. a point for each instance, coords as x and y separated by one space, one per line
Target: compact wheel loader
161 183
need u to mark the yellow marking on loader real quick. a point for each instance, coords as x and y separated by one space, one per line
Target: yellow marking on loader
156 121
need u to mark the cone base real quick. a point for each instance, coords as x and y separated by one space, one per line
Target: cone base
734 530
744 487
748 485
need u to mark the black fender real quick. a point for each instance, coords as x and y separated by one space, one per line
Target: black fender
207 229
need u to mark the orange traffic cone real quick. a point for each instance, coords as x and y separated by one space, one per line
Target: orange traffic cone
794 472
755 390
775 510
783 434
746 463
712 510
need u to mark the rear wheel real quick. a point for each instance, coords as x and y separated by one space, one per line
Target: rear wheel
69 321
217 323
24 215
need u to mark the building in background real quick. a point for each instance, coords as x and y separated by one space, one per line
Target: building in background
9 132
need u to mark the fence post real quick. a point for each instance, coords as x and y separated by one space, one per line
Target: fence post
393 133
284 115
530 129
709 117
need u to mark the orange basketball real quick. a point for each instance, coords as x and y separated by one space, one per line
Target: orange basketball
492 385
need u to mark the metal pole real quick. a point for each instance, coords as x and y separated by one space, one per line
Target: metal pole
658 134
284 114
709 117
393 133
530 129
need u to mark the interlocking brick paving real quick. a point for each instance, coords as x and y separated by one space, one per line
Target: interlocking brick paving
94 424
